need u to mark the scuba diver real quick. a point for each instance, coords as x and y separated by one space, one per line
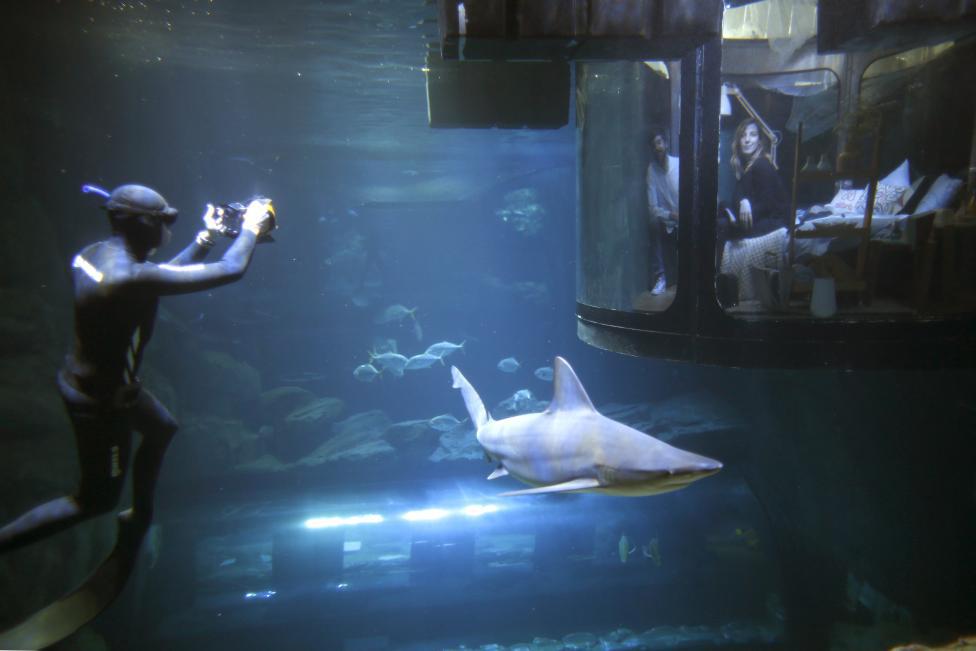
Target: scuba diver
116 295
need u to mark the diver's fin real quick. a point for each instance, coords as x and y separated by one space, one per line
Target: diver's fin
65 616
581 484
498 472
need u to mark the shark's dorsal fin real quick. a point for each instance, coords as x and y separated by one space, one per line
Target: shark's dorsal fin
568 393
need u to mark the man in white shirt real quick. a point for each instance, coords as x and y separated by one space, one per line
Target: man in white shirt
662 207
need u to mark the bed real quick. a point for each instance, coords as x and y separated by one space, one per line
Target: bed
899 202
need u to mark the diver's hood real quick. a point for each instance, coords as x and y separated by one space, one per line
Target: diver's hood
135 199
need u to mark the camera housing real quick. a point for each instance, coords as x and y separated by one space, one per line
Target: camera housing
230 217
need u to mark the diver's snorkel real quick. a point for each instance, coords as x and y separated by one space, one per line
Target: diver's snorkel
94 189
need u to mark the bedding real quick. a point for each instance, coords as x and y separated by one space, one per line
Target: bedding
883 227
897 199
942 193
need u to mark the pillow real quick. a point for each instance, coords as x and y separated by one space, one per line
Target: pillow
941 194
888 199
913 195
847 200
898 176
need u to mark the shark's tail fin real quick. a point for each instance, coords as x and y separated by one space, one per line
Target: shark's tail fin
476 408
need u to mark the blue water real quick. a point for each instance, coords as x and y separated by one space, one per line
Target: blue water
322 107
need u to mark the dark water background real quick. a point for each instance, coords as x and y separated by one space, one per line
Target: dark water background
321 106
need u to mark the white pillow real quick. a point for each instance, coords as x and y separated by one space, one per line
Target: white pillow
898 176
888 199
941 194
847 200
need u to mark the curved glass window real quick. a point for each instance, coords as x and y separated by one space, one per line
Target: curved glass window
628 127
776 155
921 258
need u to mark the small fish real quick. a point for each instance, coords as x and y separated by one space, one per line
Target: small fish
444 348
518 403
544 373
508 365
365 373
394 362
394 314
444 422
227 562
624 549
652 550
360 300
421 361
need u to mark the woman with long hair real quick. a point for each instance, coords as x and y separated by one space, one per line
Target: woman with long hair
759 204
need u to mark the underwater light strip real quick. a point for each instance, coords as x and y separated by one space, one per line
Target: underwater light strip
476 510
420 515
322 523
425 515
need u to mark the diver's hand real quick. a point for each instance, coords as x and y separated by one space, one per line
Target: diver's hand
211 221
211 229
257 218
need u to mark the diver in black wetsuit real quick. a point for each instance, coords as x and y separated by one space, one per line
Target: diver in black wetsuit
116 294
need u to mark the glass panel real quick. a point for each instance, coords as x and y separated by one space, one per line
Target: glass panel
762 116
776 20
627 119
848 200
922 253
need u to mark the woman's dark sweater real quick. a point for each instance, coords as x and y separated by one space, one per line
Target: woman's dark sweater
761 185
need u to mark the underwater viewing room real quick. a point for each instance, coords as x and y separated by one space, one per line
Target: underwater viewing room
496 325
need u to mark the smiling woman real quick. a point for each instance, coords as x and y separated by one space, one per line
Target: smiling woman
759 203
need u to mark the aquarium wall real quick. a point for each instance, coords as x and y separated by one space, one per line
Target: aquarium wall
327 486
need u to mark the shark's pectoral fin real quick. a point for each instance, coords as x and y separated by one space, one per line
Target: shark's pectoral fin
581 484
498 472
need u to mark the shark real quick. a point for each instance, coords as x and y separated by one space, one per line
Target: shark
572 448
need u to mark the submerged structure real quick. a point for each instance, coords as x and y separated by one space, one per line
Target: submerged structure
766 207
866 114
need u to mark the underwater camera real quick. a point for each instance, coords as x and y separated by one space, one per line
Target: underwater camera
230 216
